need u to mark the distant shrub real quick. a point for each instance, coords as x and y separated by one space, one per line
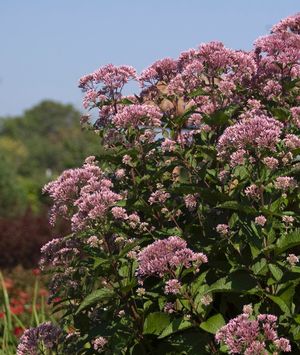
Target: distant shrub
21 239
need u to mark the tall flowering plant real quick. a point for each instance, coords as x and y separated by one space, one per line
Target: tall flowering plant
185 233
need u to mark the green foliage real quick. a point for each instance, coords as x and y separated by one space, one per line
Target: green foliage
35 147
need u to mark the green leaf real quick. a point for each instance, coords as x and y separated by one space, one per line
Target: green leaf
238 281
213 324
218 118
235 206
155 323
175 326
280 113
287 241
260 267
96 296
281 303
276 271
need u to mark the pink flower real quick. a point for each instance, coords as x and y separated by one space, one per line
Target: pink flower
99 343
127 160
292 259
283 344
119 213
190 201
289 24
137 115
120 174
292 141
223 229
253 191
172 286
168 145
260 220
81 195
258 132
161 70
271 163
288 219
244 335
162 256
237 158
285 183
295 111
170 307
159 196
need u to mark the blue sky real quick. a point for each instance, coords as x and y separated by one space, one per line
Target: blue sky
47 45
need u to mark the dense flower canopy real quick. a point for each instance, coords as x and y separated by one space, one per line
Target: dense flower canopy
192 211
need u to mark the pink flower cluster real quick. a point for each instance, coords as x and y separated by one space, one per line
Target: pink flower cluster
85 192
289 24
190 201
111 78
278 55
162 256
137 115
58 252
159 196
259 132
285 183
99 343
244 335
46 333
161 70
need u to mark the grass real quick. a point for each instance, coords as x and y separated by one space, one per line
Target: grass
21 307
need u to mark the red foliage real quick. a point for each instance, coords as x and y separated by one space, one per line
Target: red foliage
21 239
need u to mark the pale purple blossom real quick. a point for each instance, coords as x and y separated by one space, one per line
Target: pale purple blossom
137 115
237 158
119 213
292 259
168 145
159 196
170 307
261 220
257 132
190 201
99 343
172 286
45 334
271 162
245 335
292 141
284 183
81 195
120 174
127 160
223 229
206 299
253 191
288 219
164 255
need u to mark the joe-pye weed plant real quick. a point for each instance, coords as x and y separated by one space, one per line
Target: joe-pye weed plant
185 232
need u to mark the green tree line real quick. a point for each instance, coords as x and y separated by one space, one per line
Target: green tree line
34 148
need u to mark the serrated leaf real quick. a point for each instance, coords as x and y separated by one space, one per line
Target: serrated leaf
259 267
96 296
213 324
287 241
155 323
175 326
235 206
281 303
276 271
239 281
